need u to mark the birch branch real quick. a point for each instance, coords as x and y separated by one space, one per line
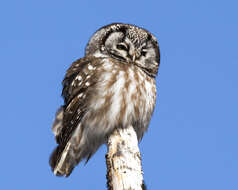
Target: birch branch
124 171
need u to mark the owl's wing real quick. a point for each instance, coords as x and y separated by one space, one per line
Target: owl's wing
74 80
74 106
68 118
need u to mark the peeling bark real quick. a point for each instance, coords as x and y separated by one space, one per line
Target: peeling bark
124 171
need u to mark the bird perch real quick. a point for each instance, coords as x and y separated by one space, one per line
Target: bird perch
124 171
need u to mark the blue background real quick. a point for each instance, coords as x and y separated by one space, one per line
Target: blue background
192 140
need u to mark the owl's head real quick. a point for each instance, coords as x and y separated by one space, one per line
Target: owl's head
127 43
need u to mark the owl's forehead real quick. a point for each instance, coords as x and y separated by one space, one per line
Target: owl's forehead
137 36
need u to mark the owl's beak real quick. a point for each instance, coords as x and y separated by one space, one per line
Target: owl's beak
133 54
134 57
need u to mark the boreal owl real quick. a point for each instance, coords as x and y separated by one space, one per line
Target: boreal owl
113 86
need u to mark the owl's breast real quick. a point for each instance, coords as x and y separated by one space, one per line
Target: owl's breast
123 95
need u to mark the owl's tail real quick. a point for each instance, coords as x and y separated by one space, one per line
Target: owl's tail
76 144
62 162
62 159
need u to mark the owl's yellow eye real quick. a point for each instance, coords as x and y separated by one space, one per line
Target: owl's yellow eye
122 46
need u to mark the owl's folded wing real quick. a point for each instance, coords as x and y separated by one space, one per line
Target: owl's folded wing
68 118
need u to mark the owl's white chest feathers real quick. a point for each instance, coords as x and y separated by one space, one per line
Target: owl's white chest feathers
124 95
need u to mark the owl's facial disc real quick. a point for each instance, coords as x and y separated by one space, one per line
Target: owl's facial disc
121 47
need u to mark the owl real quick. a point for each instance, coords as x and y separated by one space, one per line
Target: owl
112 86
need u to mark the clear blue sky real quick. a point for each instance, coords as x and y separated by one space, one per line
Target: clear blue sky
192 142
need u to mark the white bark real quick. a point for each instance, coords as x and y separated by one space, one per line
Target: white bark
124 170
